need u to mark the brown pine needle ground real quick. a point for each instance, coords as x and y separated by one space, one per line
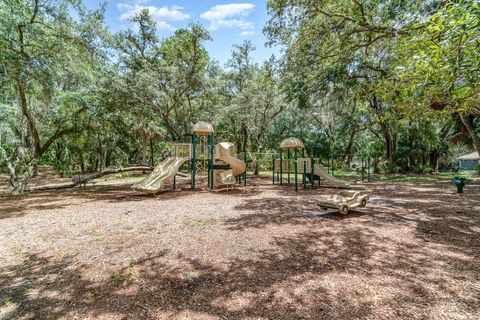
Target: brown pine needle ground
260 252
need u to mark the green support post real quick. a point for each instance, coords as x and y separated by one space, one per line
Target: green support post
312 180
281 168
245 173
288 162
174 181
319 180
273 169
304 175
295 155
210 160
194 159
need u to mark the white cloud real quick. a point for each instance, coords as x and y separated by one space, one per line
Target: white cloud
247 33
230 23
222 11
161 15
220 16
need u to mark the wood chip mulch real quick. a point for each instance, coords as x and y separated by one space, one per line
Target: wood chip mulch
260 252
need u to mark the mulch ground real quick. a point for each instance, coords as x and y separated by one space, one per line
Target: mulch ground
260 252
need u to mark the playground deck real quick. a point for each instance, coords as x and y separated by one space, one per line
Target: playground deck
261 252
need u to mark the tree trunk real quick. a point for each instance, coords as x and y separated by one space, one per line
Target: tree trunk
389 144
467 122
89 178
245 137
143 150
152 161
255 167
386 132
82 162
348 150
434 154
110 171
32 128
20 184
375 162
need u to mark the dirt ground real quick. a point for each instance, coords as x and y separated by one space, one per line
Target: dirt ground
259 252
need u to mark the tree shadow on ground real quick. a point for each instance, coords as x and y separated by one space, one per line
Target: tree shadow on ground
334 267
347 274
17 206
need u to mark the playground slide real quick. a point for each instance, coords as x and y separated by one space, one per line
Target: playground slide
161 174
320 171
238 166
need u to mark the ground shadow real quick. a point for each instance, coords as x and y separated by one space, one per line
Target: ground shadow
289 281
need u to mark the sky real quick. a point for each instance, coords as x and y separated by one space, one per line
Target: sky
228 22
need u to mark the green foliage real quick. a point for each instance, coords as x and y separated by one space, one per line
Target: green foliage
396 81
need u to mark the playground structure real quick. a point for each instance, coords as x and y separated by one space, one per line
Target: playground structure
217 162
298 162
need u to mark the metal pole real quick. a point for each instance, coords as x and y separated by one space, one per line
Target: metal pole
194 159
304 175
319 180
210 160
288 165
245 173
213 159
281 168
174 181
296 168
273 169
312 180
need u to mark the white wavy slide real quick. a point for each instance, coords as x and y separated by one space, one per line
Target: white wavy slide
320 171
238 166
161 174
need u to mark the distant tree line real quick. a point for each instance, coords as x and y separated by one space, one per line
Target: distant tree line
397 81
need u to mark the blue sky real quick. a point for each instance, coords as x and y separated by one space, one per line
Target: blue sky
228 22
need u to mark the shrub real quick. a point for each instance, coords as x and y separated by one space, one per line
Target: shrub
428 169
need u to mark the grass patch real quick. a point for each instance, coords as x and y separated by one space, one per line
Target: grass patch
147 229
121 280
438 176
128 227
17 248
7 303
200 223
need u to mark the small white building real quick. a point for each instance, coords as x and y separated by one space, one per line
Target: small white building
469 161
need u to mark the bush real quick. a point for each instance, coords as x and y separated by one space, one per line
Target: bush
478 169
428 169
